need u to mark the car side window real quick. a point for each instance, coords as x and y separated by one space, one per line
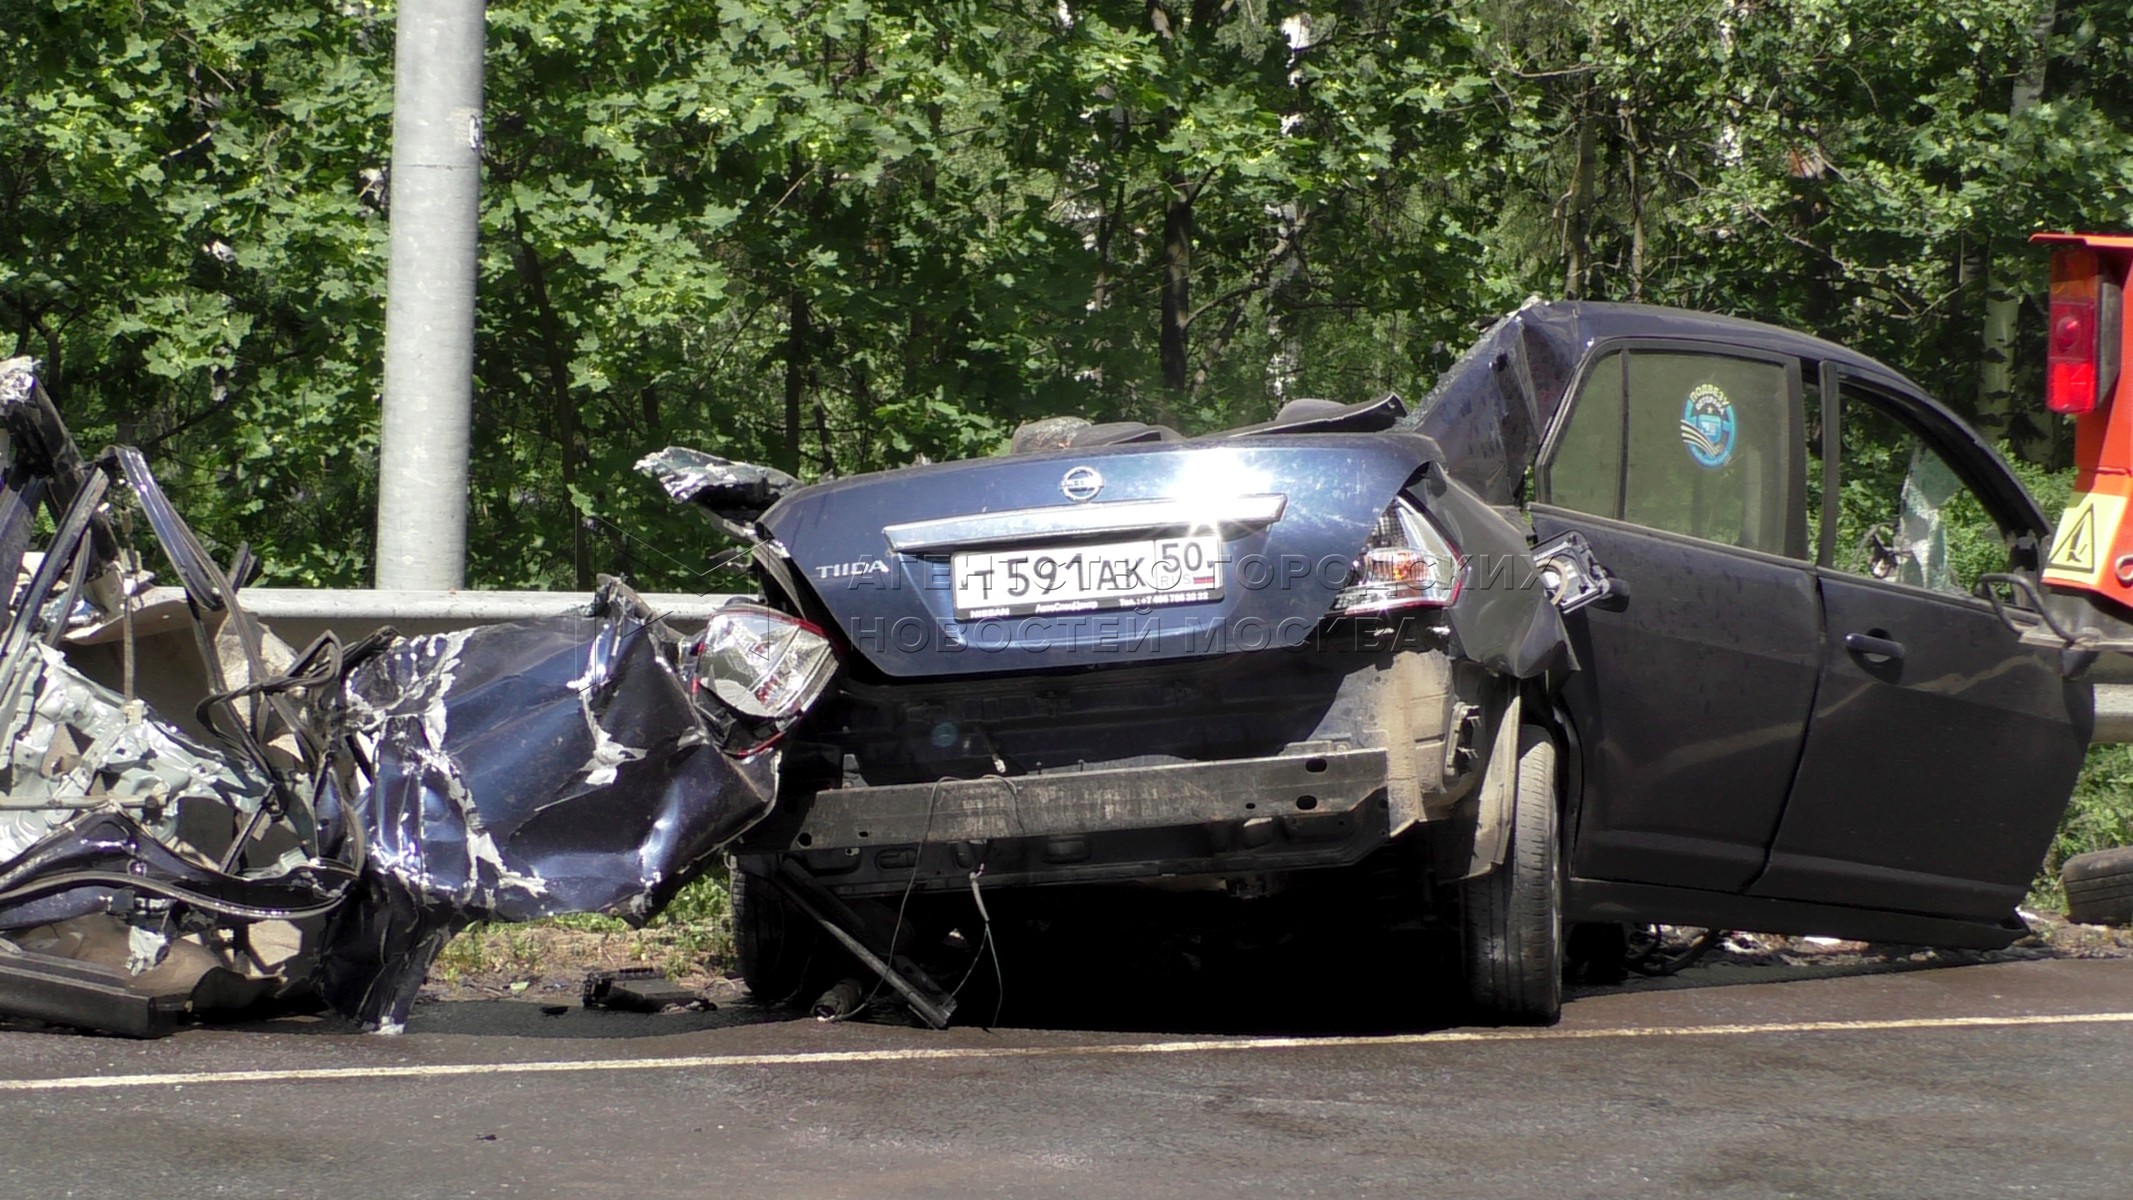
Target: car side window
1689 442
1586 474
1710 443
1904 514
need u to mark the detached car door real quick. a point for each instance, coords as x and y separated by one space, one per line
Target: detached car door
1942 749
1683 465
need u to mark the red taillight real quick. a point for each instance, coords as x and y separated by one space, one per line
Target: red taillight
1408 563
2080 364
760 662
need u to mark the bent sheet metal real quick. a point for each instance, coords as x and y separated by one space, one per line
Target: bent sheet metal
520 771
354 808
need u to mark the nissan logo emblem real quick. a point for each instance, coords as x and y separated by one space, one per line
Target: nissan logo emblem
1081 483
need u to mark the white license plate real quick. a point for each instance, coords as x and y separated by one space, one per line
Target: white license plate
1085 578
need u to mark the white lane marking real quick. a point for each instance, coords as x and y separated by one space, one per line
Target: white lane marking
938 1054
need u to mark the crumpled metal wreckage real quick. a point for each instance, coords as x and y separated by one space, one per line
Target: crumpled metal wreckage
733 493
519 771
359 804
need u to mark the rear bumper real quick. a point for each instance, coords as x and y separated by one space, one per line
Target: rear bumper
1239 765
1233 817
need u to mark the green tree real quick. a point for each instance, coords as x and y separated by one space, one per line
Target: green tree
190 240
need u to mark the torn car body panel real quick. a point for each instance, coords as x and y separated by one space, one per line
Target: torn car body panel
137 859
519 771
361 806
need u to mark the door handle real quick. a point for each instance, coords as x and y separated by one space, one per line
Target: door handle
1876 646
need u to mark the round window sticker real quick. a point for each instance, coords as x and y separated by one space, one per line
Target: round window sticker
1707 426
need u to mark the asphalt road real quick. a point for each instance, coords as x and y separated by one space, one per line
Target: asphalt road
2007 1079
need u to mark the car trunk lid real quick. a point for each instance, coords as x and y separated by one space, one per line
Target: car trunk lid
1082 557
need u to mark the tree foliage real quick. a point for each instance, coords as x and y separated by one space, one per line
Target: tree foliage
842 234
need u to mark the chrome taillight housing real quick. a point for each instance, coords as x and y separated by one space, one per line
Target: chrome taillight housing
1407 563
762 663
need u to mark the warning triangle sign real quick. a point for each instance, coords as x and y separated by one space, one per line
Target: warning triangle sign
2076 548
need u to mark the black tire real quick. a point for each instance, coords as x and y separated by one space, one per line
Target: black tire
2099 887
1513 915
776 945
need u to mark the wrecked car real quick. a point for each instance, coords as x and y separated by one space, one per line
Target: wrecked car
327 818
1640 616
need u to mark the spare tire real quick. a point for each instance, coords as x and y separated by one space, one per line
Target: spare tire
2099 887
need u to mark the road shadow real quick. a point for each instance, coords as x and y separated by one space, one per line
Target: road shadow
515 1017
524 1019
1184 965
1800 961
1198 964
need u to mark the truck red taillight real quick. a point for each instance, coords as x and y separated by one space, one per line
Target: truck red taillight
2081 343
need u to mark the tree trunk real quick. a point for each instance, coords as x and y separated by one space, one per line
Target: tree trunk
1999 416
1577 204
1810 211
1107 223
1636 203
564 411
1177 217
825 458
1177 288
922 351
1288 285
799 336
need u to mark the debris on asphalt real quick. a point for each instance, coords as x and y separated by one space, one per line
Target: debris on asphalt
840 1001
641 990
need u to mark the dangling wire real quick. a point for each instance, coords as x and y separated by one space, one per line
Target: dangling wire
925 838
987 945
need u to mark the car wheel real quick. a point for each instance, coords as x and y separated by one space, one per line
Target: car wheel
1513 915
2099 887
775 944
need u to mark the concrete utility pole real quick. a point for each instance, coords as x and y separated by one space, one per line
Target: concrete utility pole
435 200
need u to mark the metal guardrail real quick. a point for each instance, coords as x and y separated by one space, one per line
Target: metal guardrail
466 607
299 614
2113 676
2114 714
168 674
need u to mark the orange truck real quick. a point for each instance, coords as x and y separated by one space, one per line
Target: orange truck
2089 570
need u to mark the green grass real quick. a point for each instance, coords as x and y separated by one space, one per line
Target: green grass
2099 816
695 929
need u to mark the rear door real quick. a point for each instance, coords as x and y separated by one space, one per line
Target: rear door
1941 749
1683 465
